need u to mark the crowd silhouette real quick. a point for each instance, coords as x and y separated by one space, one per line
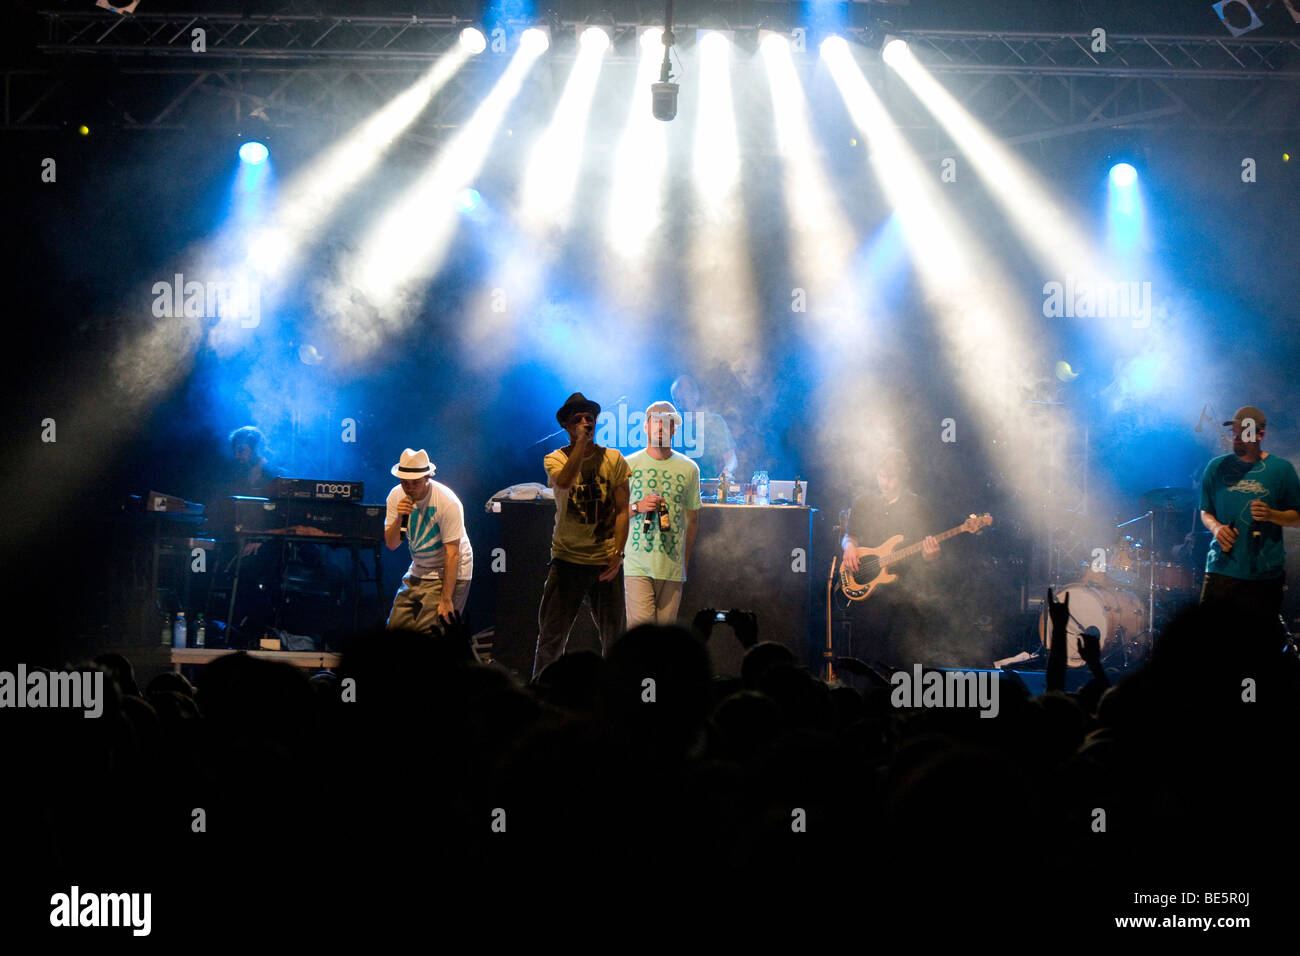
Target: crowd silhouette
419 783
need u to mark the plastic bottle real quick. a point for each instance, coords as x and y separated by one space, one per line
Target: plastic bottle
760 488
178 630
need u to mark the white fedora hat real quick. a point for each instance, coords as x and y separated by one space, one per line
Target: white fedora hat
413 464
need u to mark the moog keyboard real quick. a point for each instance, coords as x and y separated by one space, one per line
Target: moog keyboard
314 489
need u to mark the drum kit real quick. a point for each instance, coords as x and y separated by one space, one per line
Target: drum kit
1127 592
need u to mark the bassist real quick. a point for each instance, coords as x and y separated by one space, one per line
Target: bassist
890 628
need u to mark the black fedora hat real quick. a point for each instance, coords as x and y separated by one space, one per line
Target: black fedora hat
577 402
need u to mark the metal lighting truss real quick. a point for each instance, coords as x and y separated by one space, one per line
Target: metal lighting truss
293 67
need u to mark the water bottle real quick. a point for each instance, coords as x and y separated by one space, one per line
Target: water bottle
178 630
167 629
760 488
201 632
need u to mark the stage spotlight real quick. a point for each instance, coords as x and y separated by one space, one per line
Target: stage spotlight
253 153
84 130
594 38
1238 16
472 41
714 40
893 49
772 41
834 45
652 38
467 200
536 40
1123 175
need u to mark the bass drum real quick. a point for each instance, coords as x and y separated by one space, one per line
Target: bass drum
1118 615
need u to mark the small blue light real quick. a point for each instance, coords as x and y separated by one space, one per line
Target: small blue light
1123 174
467 200
253 153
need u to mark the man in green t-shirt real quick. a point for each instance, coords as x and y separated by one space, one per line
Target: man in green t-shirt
1247 498
665 507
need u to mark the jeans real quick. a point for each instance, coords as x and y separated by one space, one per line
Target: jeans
566 585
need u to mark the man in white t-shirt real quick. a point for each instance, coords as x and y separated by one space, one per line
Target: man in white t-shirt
430 515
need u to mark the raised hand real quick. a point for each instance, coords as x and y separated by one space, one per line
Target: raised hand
703 622
745 625
1058 611
1089 646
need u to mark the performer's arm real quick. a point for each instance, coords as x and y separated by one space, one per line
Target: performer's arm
692 526
393 530
564 478
1262 512
620 532
450 571
850 545
1222 533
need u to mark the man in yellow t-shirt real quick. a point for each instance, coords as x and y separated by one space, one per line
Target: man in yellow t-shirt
591 519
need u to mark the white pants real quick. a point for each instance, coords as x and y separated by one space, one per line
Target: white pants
651 601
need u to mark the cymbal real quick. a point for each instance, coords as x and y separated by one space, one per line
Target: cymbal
1168 499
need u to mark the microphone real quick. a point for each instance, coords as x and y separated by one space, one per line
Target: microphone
405 516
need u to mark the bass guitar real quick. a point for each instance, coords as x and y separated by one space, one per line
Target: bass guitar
874 563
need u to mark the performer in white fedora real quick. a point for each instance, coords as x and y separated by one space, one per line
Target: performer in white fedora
431 517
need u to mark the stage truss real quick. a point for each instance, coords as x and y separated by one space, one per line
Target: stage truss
142 72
